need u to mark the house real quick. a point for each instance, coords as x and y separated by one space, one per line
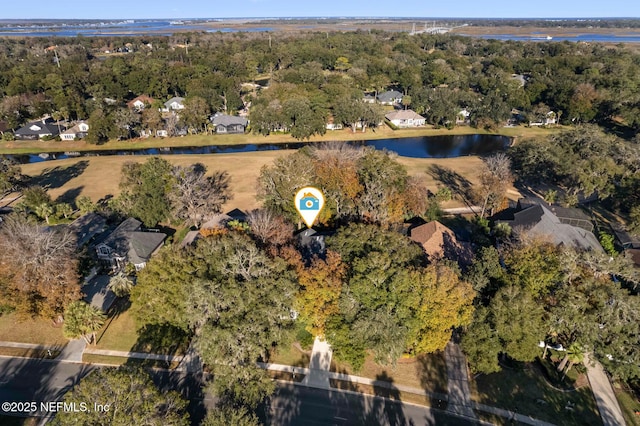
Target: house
78 131
369 99
463 117
224 123
439 242
567 215
139 102
129 244
38 130
173 104
87 226
332 125
537 220
405 118
549 119
390 97
624 238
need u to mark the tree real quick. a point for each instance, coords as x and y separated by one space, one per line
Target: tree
151 120
64 209
35 196
120 285
225 415
85 205
196 113
100 127
82 320
9 177
196 197
43 211
160 294
145 190
320 288
481 344
533 265
495 180
132 399
269 229
39 266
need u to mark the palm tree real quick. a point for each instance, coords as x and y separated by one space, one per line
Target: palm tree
121 285
64 209
575 354
82 320
44 210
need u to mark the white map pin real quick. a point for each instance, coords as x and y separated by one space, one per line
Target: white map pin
309 201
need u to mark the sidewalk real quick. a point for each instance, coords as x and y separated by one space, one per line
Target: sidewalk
458 381
603 393
319 366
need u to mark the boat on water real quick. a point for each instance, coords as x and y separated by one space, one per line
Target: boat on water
542 38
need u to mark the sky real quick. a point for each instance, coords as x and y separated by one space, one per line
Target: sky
139 9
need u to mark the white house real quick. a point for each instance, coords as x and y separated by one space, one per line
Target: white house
405 118
549 119
78 131
173 104
463 116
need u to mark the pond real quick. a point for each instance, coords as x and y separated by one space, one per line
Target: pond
445 146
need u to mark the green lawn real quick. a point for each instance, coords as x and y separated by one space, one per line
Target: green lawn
428 371
290 355
14 328
120 333
526 392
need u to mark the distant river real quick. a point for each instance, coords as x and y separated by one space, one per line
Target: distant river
116 29
420 147
592 38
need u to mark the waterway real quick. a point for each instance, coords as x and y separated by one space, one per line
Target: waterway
590 38
444 146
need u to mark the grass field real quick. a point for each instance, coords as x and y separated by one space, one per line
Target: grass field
27 330
428 372
98 177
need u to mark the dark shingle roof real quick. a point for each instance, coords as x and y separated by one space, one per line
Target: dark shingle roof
87 226
42 127
389 95
228 120
143 244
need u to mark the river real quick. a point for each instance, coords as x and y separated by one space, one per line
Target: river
444 146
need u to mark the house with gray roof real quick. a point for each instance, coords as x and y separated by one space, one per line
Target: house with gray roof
224 123
128 243
87 226
37 130
174 104
390 97
538 221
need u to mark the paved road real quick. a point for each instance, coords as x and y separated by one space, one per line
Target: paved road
296 405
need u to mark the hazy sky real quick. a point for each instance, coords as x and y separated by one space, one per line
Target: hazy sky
135 9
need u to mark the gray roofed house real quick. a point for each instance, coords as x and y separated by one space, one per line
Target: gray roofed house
390 97
174 104
229 123
567 215
129 244
625 239
37 130
87 226
538 220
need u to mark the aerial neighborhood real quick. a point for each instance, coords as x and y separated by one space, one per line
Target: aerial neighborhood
320 227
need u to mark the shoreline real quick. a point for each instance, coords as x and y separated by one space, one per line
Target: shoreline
41 147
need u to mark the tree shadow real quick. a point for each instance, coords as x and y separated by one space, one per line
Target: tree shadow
455 182
120 306
162 339
432 371
70 195
58 176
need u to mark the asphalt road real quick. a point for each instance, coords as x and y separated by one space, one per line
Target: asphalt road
24 380
295 405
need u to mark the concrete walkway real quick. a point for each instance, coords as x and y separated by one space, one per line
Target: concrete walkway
73 351
603 393
458 381
319 365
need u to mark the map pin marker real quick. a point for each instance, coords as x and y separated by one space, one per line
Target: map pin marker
309 201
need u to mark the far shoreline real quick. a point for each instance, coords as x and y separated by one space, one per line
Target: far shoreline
37 147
